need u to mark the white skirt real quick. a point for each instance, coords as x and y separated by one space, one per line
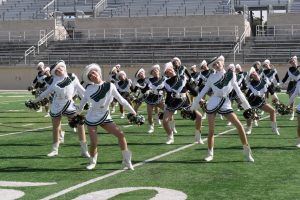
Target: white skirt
67 108
97 118
221 105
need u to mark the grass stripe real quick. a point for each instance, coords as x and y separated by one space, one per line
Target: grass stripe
75 187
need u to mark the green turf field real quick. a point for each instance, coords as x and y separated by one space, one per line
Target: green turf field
25 139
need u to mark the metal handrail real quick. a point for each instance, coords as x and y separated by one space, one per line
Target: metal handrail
100 6
49 4
44 40
28 52
236 49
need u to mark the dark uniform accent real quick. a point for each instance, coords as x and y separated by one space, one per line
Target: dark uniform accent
225 80
292 83
155 98
176 101
67 81
101 92
256 101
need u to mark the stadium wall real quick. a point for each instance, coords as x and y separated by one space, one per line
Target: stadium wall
25 25
283 19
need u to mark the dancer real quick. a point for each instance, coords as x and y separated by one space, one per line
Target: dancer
176 99
100 94
64 86
222 84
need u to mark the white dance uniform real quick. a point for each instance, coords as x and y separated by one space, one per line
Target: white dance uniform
99 97
294 95
222 84
64 89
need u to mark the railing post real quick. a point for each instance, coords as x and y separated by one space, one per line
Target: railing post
184 31
201 32
168 32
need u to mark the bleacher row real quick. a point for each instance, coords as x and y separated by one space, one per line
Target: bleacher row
134 52
43 9
81 48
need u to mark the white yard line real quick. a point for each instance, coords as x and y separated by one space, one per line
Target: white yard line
75 187
126 126
24 125
31 130
5 102
15 133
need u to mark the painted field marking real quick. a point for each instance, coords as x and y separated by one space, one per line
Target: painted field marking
126 126
24 125
31 130
75 187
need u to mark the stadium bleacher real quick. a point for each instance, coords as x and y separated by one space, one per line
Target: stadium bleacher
133 47
134 52
137 8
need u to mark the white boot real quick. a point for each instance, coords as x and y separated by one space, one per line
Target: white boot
248 153
170 139
74 130
198 138
113 110
54 150
255 123
47 115
292 116
93 162
229 124
274 128
210 155
204 115
123 115
61 137
221 116
157 119
172 126
248 130
151 128
298 143
127 160
84 149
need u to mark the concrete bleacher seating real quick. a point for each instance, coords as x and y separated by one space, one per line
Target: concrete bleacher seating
35 9
295 7
135 52
22 9
277 49
138 8
12 53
